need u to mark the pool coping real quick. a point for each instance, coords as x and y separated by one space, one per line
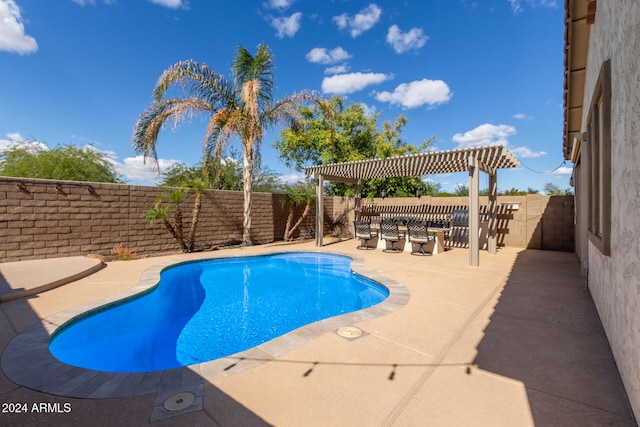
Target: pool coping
27 360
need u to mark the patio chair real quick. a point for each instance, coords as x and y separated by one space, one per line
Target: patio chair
363 232
418 233
389 231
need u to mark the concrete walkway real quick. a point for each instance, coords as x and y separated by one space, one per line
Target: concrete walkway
514 342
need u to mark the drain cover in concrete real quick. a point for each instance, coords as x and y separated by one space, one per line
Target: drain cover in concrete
349 332
179 401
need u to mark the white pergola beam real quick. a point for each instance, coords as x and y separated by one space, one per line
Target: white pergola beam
319 209
484 167
492 243
474 212
356 200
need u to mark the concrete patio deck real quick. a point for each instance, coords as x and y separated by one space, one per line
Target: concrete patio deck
513 342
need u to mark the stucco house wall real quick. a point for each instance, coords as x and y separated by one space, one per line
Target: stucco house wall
614 279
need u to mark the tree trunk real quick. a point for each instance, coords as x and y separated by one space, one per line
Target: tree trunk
177 224
247 173
287 228
195 215
306 211
169 227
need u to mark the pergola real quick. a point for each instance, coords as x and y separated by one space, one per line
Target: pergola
486 159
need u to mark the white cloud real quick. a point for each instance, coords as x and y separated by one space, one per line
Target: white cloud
489 134
292 177
515 6
14 138
483 135
403 42
342 21
337 69
518 5
522 116
286 26
527 153
321 55
417 93
134 168
279 4
109 154
92 2
12 35
172 4
361 21
369 111
343 84
562 172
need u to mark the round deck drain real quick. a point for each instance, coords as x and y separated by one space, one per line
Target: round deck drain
349 332
179 401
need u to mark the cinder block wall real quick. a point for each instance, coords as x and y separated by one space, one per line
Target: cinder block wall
48 219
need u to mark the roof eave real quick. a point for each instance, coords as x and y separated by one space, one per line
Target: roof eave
575 63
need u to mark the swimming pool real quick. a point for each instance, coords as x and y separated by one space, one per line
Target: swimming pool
209 309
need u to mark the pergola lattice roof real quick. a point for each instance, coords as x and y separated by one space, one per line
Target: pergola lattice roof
489 158
486 159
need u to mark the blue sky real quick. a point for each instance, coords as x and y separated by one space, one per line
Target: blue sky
468 72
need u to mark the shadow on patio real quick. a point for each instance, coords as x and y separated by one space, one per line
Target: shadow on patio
553 323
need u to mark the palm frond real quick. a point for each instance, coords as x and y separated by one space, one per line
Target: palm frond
291 110
259 69
216 141
198 80
247 67
155 117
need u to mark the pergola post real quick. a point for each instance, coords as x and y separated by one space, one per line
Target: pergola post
319 209
357 209
474 212
492 243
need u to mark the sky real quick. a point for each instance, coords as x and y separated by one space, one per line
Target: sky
466 73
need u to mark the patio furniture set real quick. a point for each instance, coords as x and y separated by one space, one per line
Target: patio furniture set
403 233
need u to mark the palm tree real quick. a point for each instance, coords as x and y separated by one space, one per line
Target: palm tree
161 213
242 107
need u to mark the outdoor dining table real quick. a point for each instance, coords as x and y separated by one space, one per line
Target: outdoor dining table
437 232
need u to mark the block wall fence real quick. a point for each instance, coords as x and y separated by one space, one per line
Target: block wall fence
49 219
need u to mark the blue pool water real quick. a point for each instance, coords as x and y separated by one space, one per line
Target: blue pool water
209 309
